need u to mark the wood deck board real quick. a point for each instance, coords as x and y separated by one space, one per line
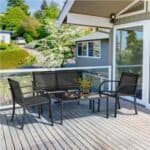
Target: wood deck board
100 130
22 135
88 131
81 130
83 137
119 139
74 135
2 136
35 130
8 139
15 139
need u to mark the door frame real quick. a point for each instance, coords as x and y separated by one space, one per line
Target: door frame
146 58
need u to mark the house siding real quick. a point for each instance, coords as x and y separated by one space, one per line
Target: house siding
5 37
103 61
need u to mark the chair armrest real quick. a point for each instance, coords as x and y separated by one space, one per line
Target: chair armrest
106 81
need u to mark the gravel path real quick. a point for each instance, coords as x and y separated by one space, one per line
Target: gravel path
39 56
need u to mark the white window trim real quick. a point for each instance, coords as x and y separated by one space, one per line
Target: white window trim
87 56
132 13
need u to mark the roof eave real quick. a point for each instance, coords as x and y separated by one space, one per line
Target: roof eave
65 10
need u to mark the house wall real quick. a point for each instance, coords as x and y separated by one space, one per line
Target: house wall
103 61
5 37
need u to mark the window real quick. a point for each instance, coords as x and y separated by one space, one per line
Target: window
89 49
96 49
82 49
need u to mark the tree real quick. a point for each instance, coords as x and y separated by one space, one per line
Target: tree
44 5
12 19
18 3
50 11
39 15
46 13
133 52
59 45
29 27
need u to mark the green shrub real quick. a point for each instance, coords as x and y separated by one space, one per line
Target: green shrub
30 60
9 47
28 37
15 59
3 46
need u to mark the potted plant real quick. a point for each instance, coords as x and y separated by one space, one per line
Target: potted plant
85 85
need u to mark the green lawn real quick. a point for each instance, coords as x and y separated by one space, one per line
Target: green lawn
12 57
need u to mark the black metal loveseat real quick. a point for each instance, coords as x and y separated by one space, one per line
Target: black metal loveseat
61 85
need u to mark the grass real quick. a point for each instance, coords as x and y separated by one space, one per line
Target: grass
13 56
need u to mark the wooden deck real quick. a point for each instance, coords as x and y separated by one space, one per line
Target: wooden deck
82 129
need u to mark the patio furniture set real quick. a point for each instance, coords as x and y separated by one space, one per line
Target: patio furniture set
63 86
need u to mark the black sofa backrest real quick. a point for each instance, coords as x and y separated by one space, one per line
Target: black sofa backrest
44 81
55 81
67 80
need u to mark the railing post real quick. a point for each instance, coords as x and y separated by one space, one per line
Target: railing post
109 76
146 66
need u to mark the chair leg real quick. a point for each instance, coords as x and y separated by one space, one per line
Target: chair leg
23 118
93 105
107 107
39 111
61 112
78 102
135 107
90 104
99 105
116 102
50 111
13 112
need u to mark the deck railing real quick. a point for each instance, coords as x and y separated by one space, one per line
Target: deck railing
96 73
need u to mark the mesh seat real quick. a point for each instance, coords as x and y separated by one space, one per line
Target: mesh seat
36 100
109 93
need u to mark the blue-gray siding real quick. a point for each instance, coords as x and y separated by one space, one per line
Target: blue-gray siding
103 61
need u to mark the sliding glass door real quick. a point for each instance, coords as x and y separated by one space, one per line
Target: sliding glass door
129 53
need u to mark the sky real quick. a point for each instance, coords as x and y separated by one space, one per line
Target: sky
33 4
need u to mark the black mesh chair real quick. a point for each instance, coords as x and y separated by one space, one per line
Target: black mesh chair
126 87
25 102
